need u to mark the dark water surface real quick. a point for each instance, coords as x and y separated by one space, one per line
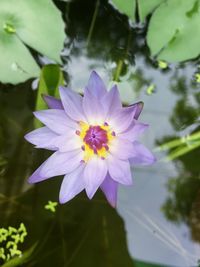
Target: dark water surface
157 220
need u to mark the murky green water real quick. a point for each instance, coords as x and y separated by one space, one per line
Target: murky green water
157 220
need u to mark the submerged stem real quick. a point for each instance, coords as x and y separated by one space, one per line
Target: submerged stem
121 60
93 22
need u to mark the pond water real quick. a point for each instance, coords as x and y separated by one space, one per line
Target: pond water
157 220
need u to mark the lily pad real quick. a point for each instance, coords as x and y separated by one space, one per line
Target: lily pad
37 24
145 7
174 31
126 7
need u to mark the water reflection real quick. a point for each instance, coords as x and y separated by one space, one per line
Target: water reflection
182 203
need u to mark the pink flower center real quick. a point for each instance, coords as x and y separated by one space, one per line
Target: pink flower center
96 138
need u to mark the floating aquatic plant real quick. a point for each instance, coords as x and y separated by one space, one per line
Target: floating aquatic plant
51 206
9 241
94 138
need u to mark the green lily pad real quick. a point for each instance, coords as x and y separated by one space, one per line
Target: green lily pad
174 30
37 24
145 7
126 7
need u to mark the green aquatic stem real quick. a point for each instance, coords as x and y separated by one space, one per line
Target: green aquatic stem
179 141
121 61
93 22
118 69
181 151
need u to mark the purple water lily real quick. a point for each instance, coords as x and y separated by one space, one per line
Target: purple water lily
94 139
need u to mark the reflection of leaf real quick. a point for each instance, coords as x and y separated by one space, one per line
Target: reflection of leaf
145 7
37 24
17 261
177 37
127 7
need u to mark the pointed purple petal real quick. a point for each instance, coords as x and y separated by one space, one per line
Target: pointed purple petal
93 108
121 148
72 103
142 155
134 131
36 177
72 185
121 120
96 86
110 188
56 120
119 170
94 174
68 142
53 102
61 163
111 101
138 109
42 138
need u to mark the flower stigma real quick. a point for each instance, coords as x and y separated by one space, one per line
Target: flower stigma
96 139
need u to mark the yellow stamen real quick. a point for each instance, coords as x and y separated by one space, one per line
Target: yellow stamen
88 151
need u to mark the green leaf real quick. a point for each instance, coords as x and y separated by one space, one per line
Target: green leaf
51 78
145 7
126 7
174 30
37 24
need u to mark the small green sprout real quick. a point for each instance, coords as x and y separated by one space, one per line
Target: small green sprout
162 64
15 252
51 206
3 234
2 254
9 28
10 244
151 89
197 77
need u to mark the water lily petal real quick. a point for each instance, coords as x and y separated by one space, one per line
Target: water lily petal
53 102
121 148
68 142
119 170
110 188
72 185
142 155
134 131
94 173
61 163
121 119
56 120
42 138
72 103
93 108
36 176
111 101
96 86
138 109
